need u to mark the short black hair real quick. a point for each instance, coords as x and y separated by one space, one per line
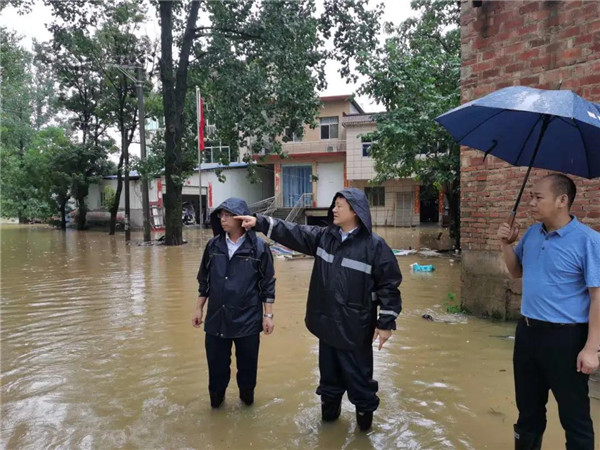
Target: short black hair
562 184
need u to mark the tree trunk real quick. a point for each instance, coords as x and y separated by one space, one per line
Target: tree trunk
452 191
81 213
174 91
115 206
63 214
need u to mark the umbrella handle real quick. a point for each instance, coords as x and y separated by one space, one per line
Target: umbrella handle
511 218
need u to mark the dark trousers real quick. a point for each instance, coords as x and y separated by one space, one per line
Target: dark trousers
218 354
546 359
348 370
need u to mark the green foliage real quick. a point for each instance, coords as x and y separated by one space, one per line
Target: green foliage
259 65
451 307
37 182
20 197
416 76
108 197
16 129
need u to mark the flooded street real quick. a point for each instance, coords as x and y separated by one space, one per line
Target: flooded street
98 351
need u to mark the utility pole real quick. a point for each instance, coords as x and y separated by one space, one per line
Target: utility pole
139 83
142 128
127 206
200 148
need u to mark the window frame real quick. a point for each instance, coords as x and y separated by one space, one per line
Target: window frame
375 195
366 149
293 138
329 124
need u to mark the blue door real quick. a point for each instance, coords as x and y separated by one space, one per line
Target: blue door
297 180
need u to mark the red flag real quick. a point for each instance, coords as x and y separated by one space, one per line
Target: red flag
200 125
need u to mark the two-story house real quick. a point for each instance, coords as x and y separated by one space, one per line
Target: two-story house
394 202
333 156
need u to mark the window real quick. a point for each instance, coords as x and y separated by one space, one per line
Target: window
218 154
292 136
376 195
366 149
366 146
329 127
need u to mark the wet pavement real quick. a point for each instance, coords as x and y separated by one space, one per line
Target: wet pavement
98 351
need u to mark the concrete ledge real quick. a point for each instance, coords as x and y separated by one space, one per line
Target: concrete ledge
487 289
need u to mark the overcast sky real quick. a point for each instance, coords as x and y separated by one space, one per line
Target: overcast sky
33 26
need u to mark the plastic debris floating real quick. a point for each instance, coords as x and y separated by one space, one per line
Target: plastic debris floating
415 267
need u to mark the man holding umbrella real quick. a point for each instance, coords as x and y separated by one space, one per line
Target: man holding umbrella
557 340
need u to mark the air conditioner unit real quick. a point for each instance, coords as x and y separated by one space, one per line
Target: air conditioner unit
331 148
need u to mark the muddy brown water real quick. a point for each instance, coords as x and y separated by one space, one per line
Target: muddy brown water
98 351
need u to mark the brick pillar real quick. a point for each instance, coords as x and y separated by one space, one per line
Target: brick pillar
505 43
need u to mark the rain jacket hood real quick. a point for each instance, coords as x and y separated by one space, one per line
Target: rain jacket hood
359 203
235 206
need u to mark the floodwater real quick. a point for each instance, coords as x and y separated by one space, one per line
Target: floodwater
98 351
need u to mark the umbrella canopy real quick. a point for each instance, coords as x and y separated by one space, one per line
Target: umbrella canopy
555 130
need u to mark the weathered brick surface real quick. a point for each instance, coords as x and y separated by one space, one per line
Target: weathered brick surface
532 43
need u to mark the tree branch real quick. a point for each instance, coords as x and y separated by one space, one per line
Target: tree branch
238 33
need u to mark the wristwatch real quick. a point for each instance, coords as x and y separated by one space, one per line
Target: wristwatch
268 316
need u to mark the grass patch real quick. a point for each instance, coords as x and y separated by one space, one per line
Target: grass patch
452 307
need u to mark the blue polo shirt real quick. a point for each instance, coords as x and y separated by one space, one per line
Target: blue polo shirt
558 268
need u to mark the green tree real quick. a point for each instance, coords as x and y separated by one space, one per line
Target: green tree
16 130
82 92
118 38
416 76
41 167
260 65
91 164
89 39
56 155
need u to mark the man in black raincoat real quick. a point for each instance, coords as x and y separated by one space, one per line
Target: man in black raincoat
354 272
236 276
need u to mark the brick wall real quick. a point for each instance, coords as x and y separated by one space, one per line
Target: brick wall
530 43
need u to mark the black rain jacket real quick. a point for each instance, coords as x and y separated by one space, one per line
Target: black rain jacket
236 287
349 279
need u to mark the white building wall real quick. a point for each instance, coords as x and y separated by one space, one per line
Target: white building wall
236 184
389 215
93 198
135 193
358 167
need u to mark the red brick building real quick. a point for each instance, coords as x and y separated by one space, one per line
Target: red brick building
530 43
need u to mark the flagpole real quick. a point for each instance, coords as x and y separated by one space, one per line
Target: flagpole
200 136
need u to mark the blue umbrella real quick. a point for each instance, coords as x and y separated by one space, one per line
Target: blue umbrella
555 130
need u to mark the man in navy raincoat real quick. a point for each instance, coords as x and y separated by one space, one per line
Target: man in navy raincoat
355 272
236 276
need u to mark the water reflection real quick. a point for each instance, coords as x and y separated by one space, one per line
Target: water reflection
98 352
